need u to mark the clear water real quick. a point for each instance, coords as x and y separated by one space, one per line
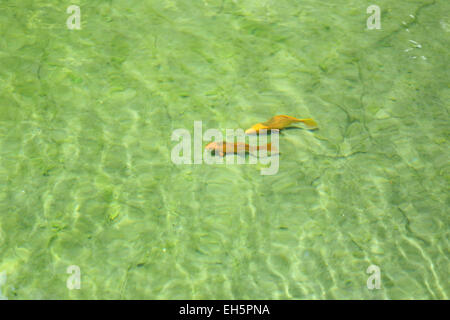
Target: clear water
86 176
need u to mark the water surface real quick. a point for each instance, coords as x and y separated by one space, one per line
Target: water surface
86 177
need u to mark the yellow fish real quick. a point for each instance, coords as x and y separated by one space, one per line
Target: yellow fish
280 122
237 148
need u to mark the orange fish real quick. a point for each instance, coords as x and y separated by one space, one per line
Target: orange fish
280 122
237 148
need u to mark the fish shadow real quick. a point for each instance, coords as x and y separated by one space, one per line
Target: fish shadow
299 128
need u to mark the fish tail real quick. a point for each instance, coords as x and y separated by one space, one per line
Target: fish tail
310 123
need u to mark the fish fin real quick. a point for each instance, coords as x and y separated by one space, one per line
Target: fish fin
310 123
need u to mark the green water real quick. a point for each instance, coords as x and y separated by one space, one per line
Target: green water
86 176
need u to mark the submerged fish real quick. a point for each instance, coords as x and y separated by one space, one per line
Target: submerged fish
280 122
237 148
